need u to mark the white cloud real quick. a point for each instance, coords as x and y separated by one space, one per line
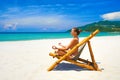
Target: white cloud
37 17
35 20
10 26
111 16
61 22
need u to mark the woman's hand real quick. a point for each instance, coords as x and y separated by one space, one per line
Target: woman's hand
60 44
54 47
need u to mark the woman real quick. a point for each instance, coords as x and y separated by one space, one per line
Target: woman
63 50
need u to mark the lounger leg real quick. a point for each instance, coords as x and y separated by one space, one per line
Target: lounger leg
92 56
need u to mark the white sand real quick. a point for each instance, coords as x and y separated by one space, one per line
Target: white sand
29 60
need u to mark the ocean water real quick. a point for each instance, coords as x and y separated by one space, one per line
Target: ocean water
38 36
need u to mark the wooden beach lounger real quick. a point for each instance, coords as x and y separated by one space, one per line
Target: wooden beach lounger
91 65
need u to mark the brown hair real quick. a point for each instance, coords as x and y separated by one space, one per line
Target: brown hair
77 30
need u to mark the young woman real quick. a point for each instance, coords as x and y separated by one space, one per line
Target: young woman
63 50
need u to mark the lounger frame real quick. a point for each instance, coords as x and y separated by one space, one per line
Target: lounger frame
91 65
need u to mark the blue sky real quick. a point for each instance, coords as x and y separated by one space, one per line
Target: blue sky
54 15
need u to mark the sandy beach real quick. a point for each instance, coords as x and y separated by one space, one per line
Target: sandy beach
29 60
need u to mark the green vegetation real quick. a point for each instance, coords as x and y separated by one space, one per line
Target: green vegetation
104 26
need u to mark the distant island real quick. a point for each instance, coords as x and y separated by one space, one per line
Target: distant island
103 26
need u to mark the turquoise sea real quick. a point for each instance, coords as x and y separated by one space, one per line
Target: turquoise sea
46 35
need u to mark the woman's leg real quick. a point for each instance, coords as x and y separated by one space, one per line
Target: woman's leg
60 52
